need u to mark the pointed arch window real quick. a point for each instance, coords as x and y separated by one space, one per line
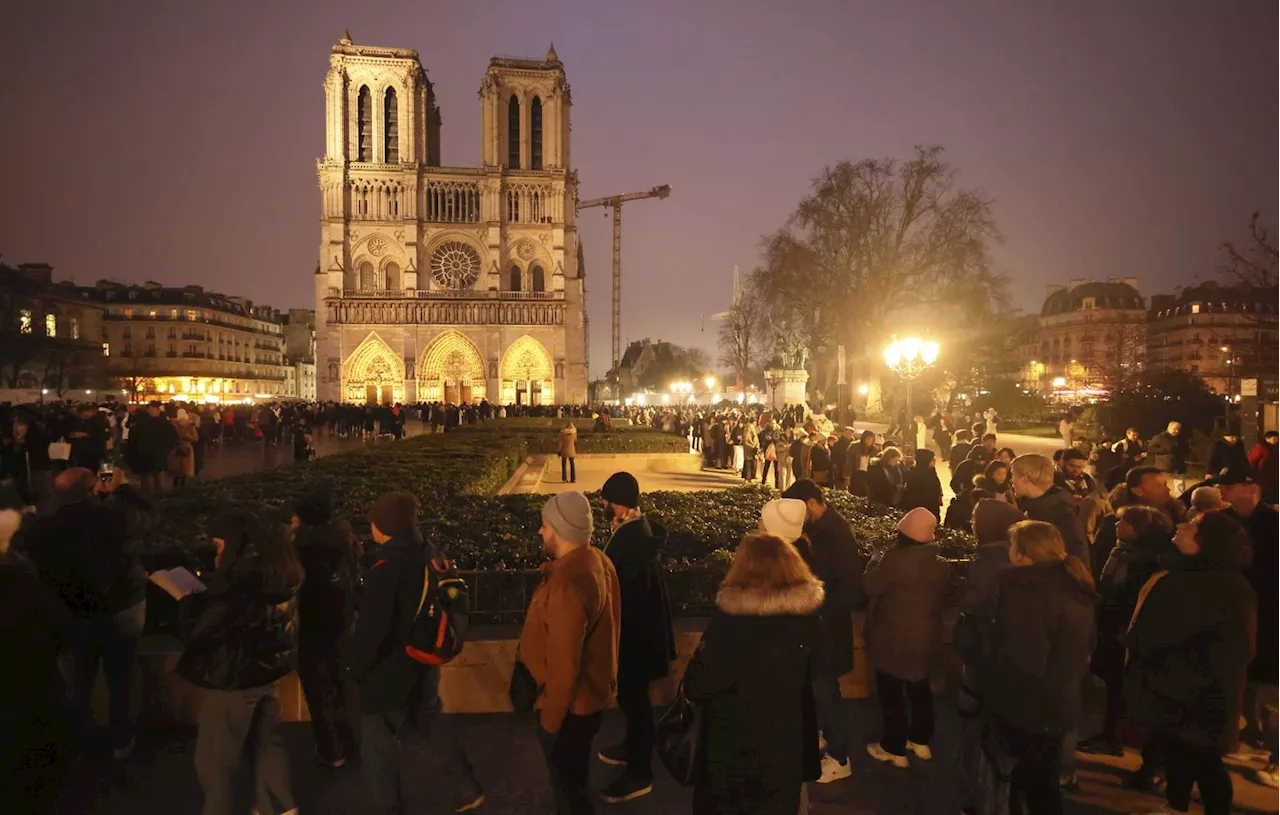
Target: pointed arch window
535 134
513 133
539 279
364 125
391 127
515 279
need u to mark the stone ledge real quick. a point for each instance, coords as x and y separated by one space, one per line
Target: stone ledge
640 462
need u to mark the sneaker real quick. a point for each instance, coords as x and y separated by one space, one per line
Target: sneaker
880 754
920 751
1269 775
615 756
833 769
626 788
121 753
1100 747
469 801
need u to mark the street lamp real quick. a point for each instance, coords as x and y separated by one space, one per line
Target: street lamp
909 358
773 381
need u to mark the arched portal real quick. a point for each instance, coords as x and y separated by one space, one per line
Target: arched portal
373 374
451 370
528 377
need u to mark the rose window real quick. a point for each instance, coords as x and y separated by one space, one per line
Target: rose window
455 265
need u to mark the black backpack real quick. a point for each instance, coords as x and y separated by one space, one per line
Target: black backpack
439 628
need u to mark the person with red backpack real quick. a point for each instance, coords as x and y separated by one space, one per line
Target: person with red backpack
411 619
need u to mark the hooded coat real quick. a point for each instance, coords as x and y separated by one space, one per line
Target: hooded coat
752 673
646 642
907 590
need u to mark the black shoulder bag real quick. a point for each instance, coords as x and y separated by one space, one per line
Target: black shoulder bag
679 739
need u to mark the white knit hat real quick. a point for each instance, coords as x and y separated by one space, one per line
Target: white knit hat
919 524
783 517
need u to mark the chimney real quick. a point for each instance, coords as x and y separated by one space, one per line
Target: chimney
1076 283
1131 281
1051 290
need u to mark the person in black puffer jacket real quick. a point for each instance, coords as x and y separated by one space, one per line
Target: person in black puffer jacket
241 638
330 556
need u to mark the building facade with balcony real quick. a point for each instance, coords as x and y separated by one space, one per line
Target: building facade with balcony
1219 333
175 343
51 339
439 283
300 352
1090 338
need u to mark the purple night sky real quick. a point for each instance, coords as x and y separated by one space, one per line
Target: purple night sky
176 141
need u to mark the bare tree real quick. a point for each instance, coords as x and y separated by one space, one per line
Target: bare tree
1254 264
1118 357
740 334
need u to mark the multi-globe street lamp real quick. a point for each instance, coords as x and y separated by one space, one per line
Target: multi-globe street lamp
909 358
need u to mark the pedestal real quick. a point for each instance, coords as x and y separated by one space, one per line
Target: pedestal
791 388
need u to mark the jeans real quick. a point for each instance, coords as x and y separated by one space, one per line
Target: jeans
113 640
907 709
633 701
826 699
777 474
383 734
1186 766
230 720
1034 781
320 672
568 756
568 473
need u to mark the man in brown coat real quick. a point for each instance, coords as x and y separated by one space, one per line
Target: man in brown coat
570 646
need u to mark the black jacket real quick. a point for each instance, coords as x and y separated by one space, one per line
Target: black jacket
884 483
1189 648
647 642
33 627
1127 570
83 553
1263 525
752 673
388 678
1168 452
330 557
1043 636
1227 456
236 634
835 558
1057 508
923 488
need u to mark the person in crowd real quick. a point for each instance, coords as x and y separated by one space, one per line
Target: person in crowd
1142 485
995 480
1228 452
885 479
1262 523
1067 429
750 446
942 433
840 457
239 639
83 553
646 639
1043 500
1131 450
330 558
992 522
800 454
34 627
1006 454
400 697
182 459
820 459
831 550
858 462
567 448
751 675
1206 499
27 453
974 465
1073 476
907 588
1266 466
1168 451
1042 636
1145 537
784 444
1189 648
153 438
569 643
88 437
960 450
922 488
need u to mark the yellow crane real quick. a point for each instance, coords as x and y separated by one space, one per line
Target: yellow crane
615 203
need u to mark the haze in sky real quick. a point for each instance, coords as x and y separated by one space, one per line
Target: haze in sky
177 142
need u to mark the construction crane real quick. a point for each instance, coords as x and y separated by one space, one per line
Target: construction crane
615 203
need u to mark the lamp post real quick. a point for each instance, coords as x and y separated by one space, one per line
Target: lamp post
909 358
773 381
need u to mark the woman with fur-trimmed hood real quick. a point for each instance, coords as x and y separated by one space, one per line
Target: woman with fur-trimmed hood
751 674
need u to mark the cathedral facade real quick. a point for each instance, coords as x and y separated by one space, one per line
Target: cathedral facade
438 283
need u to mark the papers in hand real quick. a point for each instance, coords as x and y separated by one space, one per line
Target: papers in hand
178 582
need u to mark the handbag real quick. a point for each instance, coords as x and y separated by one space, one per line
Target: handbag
679 739
524 688
60 450
771 453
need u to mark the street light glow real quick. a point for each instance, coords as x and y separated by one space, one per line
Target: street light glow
864 389
1059 381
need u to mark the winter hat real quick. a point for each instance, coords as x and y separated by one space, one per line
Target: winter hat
394 513
992 519
315 508
10 520
784 518
569 516
919 525
622 489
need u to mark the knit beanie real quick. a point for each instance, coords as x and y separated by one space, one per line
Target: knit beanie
919 525
783 517
622 489
394 513
992 519
569 516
